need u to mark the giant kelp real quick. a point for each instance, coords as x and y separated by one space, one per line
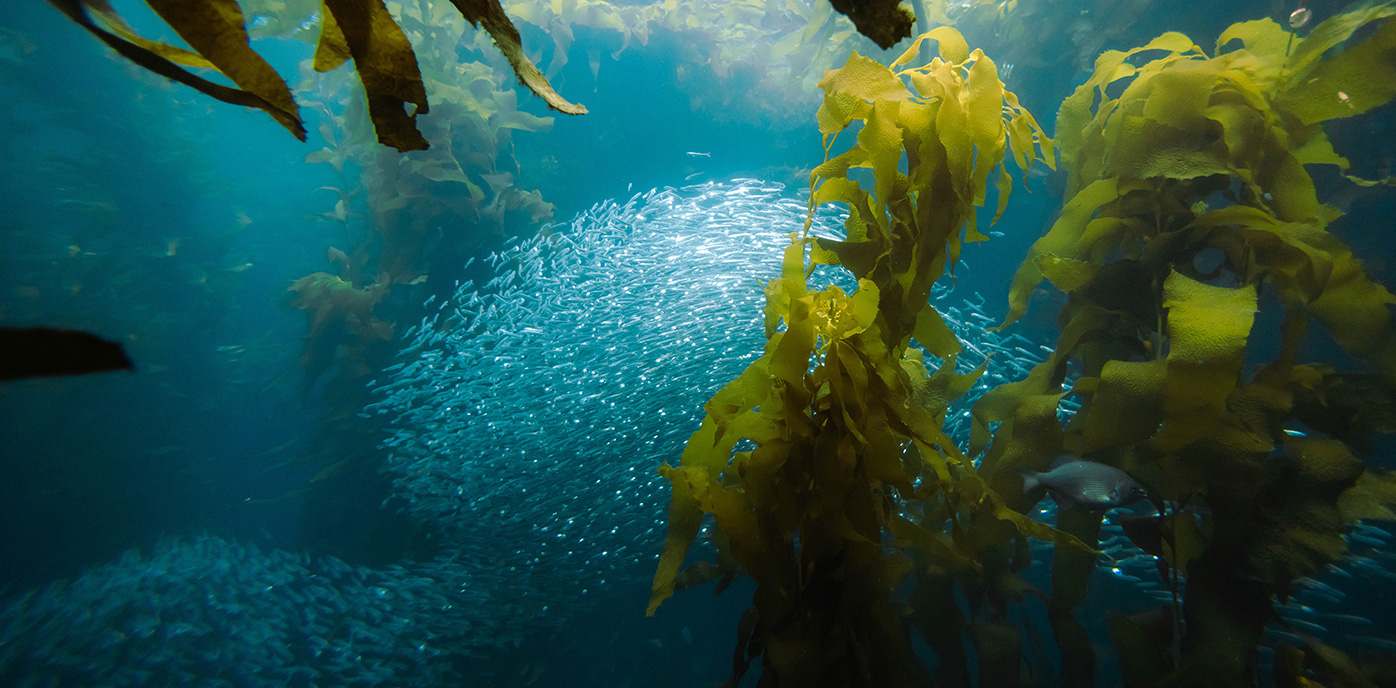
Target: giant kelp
369 34
626 321
429 210
1190 209
434 208
362 31
430 207
842 415
343 325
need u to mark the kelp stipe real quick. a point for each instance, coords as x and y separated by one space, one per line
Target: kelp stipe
852 477
1188 197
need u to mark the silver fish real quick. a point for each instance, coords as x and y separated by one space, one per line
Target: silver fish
1084 483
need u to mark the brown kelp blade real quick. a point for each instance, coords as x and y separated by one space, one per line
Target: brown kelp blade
363 30
387 67
151 60
490 15
884 21
217 30
113 22
45 352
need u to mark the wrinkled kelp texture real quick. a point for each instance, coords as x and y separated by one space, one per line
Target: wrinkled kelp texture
1190 210
343 325
361 30
843 416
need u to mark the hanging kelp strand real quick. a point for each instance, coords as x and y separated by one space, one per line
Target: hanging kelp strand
361 30
260 90
845 479
387 67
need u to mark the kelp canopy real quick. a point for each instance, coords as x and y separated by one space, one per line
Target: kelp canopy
367 33
431 210
1190 209
428 211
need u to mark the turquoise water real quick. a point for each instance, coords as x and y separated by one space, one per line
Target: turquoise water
455 485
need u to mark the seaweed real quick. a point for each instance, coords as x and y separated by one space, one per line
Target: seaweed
1188 204
785 47
216 24
844 417
417 217
343 325
1188 200
884 21
363 31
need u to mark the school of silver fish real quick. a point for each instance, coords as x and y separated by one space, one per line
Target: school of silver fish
528 414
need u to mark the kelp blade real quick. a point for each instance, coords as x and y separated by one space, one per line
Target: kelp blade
77 11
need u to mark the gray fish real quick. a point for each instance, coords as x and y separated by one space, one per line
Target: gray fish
1085 483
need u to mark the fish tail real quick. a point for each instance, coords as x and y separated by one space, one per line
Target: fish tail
1031 480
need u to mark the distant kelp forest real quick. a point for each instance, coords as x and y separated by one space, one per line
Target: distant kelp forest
1193 250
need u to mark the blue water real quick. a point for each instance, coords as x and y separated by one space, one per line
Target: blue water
223 517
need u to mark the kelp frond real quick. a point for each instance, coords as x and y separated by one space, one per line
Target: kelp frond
361 30
852 477
1188 195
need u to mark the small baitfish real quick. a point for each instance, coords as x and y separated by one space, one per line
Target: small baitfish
1092 485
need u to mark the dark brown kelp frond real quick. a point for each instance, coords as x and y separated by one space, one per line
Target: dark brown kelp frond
362 30
156 57
490 15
